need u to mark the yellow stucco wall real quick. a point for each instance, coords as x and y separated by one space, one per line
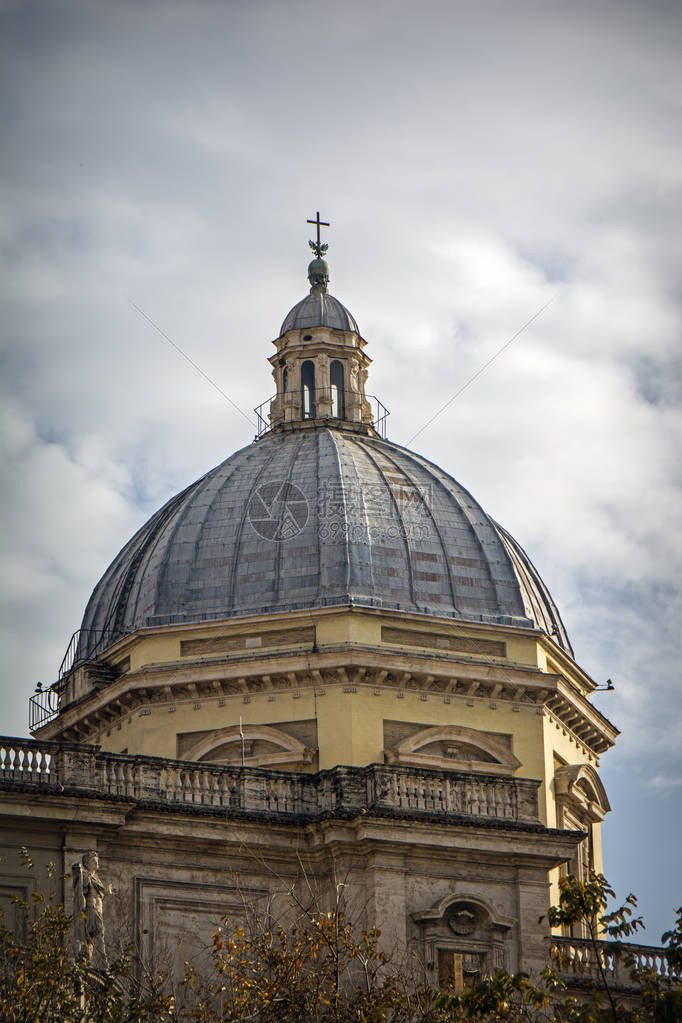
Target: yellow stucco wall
350 717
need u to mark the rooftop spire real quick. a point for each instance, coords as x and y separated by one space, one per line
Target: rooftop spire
318 269
318 247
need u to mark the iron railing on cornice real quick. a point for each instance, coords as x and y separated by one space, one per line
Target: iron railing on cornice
380 413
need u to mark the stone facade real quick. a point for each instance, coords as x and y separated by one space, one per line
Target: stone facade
184 845
321 661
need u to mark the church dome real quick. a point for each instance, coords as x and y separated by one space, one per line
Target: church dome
318 309
318 518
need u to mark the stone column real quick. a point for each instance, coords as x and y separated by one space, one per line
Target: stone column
533 929
386 901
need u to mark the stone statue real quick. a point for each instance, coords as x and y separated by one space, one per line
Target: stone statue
88 923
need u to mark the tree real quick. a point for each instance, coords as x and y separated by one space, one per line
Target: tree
43 979
314 966
512 997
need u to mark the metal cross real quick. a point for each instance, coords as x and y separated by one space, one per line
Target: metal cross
318 248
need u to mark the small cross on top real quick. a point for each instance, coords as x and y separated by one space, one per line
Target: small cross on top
318 247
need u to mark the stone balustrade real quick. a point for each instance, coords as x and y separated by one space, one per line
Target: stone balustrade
578 959
75 768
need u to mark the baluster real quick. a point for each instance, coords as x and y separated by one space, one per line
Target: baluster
490 799
169 776
184 786
402 791
106 777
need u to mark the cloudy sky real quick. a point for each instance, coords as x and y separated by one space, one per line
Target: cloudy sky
477 160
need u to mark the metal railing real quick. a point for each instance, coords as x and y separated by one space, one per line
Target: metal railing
339 406
43 706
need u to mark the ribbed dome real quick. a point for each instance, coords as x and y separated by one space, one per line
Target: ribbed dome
312 519
319 309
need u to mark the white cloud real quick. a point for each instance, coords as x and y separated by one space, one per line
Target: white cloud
475 162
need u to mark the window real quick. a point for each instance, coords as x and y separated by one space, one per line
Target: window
463 941
285 380
338 396
308 389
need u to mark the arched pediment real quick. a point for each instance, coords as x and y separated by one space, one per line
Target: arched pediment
443 909
263 745
454 748
580 785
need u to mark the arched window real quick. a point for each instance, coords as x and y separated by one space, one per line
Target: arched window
285 380
338 397
308 389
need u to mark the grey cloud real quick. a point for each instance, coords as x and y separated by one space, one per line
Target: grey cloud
474 162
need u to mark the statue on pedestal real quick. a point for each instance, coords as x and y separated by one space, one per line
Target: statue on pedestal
88 922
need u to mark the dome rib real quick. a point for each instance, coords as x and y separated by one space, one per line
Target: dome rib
182 567
344 517
541 606
240 531
319 309
207 555
359 570
425 504
280 552
403 531
465 502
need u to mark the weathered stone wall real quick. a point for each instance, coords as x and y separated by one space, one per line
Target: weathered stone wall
185 845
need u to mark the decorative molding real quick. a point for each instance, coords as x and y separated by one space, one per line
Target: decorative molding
579 788
410 751
290 750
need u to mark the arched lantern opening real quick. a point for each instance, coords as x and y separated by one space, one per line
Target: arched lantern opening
308 389
337 389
